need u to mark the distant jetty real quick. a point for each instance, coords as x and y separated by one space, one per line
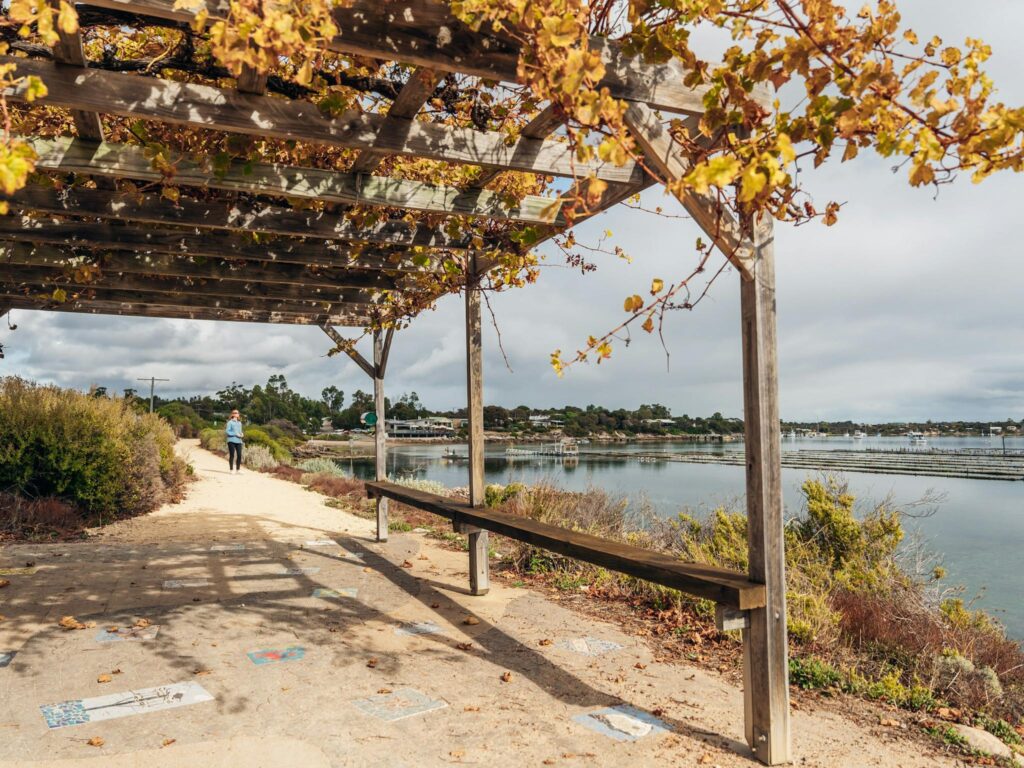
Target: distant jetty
973 465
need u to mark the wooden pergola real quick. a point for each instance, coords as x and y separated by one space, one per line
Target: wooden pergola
277 244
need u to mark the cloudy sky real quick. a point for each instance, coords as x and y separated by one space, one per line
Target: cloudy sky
909 308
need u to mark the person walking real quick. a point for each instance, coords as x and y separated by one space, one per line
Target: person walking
233 430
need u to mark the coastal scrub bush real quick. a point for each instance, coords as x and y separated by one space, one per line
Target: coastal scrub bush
183 419
333 484
95 453
866 613
322 465
259 458
213 440
259 436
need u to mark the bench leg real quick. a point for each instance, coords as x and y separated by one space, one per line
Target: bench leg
479 576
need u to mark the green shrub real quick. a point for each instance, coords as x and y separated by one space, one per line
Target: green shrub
811 673
97 454
259 436
495 494
183 419
213 440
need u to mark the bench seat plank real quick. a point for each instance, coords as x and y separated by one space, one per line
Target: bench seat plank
718 584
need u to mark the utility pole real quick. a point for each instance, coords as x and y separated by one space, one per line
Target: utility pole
152 389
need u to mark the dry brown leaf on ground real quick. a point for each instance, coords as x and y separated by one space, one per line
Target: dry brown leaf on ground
201 672
471 621
67 623
406 564
638 665
95 741
367 570
546 641
372 663
141 623
4 583
104 679
458 754
506 677
383 690
471 709
167 743
465 646
435 605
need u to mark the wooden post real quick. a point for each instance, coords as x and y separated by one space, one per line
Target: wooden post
380 446
765 673
479 579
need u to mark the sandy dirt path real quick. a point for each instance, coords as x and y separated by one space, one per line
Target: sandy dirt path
380 669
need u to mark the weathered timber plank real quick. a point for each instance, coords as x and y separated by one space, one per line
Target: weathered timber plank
168 265
204 106
541 126
91 307
663 154
414 94
718 584
169 298
241 289
380 433
212 245
68 155
766 668
479 575
427 34
348 349
69 51
229 215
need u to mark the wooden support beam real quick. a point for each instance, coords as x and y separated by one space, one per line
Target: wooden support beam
380 435
69 52
169 265
667 159
61 277
414 94
67 155
12 287
225 214
382 366
349 349
204 106
479 575
426 34
130 309
766 688
543 124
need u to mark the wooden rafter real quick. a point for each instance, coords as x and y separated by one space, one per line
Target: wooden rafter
166 265
125 161
426 34
244 295
543 124
225 214
130 309
666 157
42 289
414 94
204 106
209 245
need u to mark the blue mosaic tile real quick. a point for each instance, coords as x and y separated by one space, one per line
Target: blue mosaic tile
6 657
622 723
302 571
418 628
270 656
588 646
398 705
65 713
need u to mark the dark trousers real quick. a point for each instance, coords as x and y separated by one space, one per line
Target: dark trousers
235 455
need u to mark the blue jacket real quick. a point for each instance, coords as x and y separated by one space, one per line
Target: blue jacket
234 431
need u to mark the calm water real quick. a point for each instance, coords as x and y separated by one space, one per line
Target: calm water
978 529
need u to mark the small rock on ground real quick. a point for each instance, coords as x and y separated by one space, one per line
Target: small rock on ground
983 741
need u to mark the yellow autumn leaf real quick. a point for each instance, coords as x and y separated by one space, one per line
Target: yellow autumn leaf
785 147
751 182
67 18
718 171
656 285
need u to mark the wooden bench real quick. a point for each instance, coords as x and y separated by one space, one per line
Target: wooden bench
726 588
